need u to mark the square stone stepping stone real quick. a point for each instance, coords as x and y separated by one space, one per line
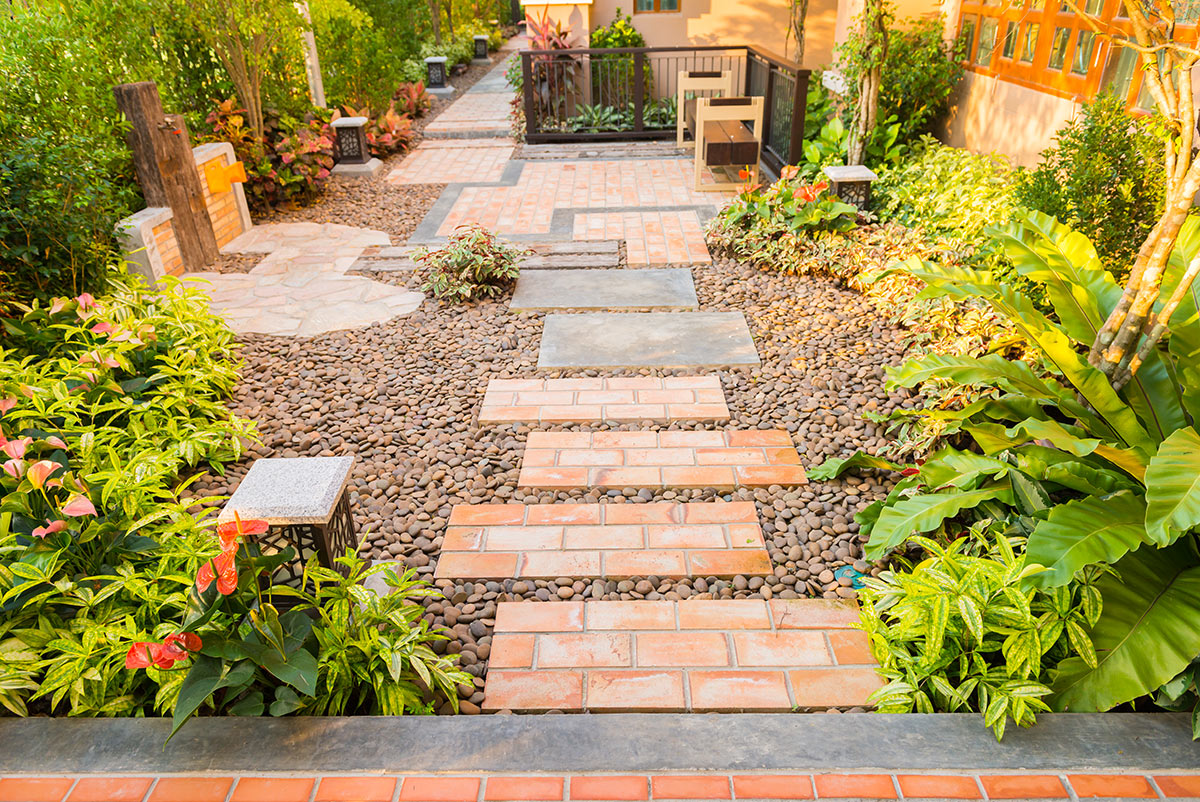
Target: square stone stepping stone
570 261
724 460
610 541
604 289
698 655
624 398
646 339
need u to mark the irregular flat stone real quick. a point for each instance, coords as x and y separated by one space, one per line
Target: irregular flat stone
605 289
628 656
646 339
578 246
399 265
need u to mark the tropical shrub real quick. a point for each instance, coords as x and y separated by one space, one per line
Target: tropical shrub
1103 177
920 72
337 648
612 74
286 167
473 264
787 206
387 133
960 632
829 147
1091 475
412 100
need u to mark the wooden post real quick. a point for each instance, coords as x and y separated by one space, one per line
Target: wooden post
167 172
639 91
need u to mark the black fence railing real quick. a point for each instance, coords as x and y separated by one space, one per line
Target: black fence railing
629 93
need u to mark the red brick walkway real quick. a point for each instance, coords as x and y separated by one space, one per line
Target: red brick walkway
701 656
614 541
597 787
723 460
624 398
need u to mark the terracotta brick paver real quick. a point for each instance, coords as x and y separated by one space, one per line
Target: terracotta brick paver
443 161
600 787
604 540
627 398
651 238
755 458
701 655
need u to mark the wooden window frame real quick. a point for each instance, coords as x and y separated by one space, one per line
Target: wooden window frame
657 8
1049 15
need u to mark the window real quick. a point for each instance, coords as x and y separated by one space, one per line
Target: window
1010 40
1118 75
641 6
1093 7
1058 48
1029 42
987 40
1085 42
967 34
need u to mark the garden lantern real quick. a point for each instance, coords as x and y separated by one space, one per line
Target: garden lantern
481 49
350 140
436 76
306 502
851 183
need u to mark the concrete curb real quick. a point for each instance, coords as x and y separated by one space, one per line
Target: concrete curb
636 743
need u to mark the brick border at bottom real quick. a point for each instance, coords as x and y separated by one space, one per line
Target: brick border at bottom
594 787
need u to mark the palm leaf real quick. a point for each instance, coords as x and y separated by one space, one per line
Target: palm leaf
1173 487
1079 533
1148 632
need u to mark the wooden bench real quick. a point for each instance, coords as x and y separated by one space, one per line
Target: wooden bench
719 81
723 139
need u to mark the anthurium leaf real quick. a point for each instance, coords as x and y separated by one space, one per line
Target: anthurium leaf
251 705
1173 487
835 467
206 676
925 513
1148 631
299 669
1079 533
286 701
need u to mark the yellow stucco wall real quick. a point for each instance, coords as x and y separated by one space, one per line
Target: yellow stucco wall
575 16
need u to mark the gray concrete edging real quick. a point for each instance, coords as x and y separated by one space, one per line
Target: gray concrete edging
1109 742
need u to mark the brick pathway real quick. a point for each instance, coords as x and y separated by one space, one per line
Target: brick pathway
614 541
562 787
702 656
651 238
442 161
723 460
637 398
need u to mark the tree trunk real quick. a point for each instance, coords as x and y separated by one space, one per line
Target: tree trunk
864 116
435 19
798 27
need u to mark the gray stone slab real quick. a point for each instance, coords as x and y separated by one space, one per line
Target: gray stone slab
570 261
646 339
604 289
635 743
369 170
290 490
367 265
576 246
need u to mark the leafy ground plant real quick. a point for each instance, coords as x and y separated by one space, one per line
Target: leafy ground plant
959 632
473 264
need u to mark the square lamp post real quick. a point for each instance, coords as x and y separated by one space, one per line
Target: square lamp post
350 140
306 502
851 183
436 76
481 50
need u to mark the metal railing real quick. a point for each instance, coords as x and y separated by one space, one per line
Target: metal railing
629 93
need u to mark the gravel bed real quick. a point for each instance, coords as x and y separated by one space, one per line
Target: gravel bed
404 395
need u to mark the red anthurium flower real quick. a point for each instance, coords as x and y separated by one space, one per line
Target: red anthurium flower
79 506
909 472
86 301
229 531
143 654
50 528
15 468
40 471
6 404
57 305
16 448
177 647
223 569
